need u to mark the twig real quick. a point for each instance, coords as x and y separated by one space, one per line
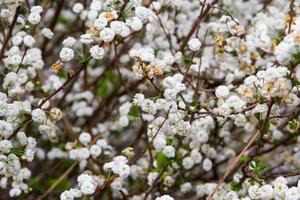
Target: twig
232 166
10 30
54 185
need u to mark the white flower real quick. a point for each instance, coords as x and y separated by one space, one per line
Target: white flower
266 192
34 18
95 150
186 187
66 54
21 136
69 42
123 121
169 151
77 8
142 12
85 138
100 23
17 40
194 44
187 163
207 164
159 142
6 129
14 192
88 187
79 154
86 38
10 79
117 26
240 120
254 192
86 184
222 91
36 9
292 193
151 177
164 197
38 115
5 146
196 156
96 5
134 23
107 34
118 166
149 106
97 52
29 40
169 181
47 33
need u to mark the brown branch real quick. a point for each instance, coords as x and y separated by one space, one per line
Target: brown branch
10 30
233 165
54 185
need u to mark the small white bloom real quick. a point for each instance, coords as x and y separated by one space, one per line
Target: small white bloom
69 42
47 33
100 23
164 197
107 34
36 9
207 164
222 91
97 52
29 40
85 138
77 8
187 163
66 54
95 150
169 151
38 115
194 44
34 18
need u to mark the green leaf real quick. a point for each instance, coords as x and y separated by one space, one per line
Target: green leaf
193 103
112 76
63 21
103 88
24 11
134 111
162 160
62 74
62 186
236 186
244 158
188 61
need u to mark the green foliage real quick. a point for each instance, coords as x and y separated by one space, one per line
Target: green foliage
63 21
40 186
24 11
162 160
107 84
62 74
193 103
134 111
19 151
293 125
244 158
103 88
257 167
295 60
236 186
188 61
234 53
